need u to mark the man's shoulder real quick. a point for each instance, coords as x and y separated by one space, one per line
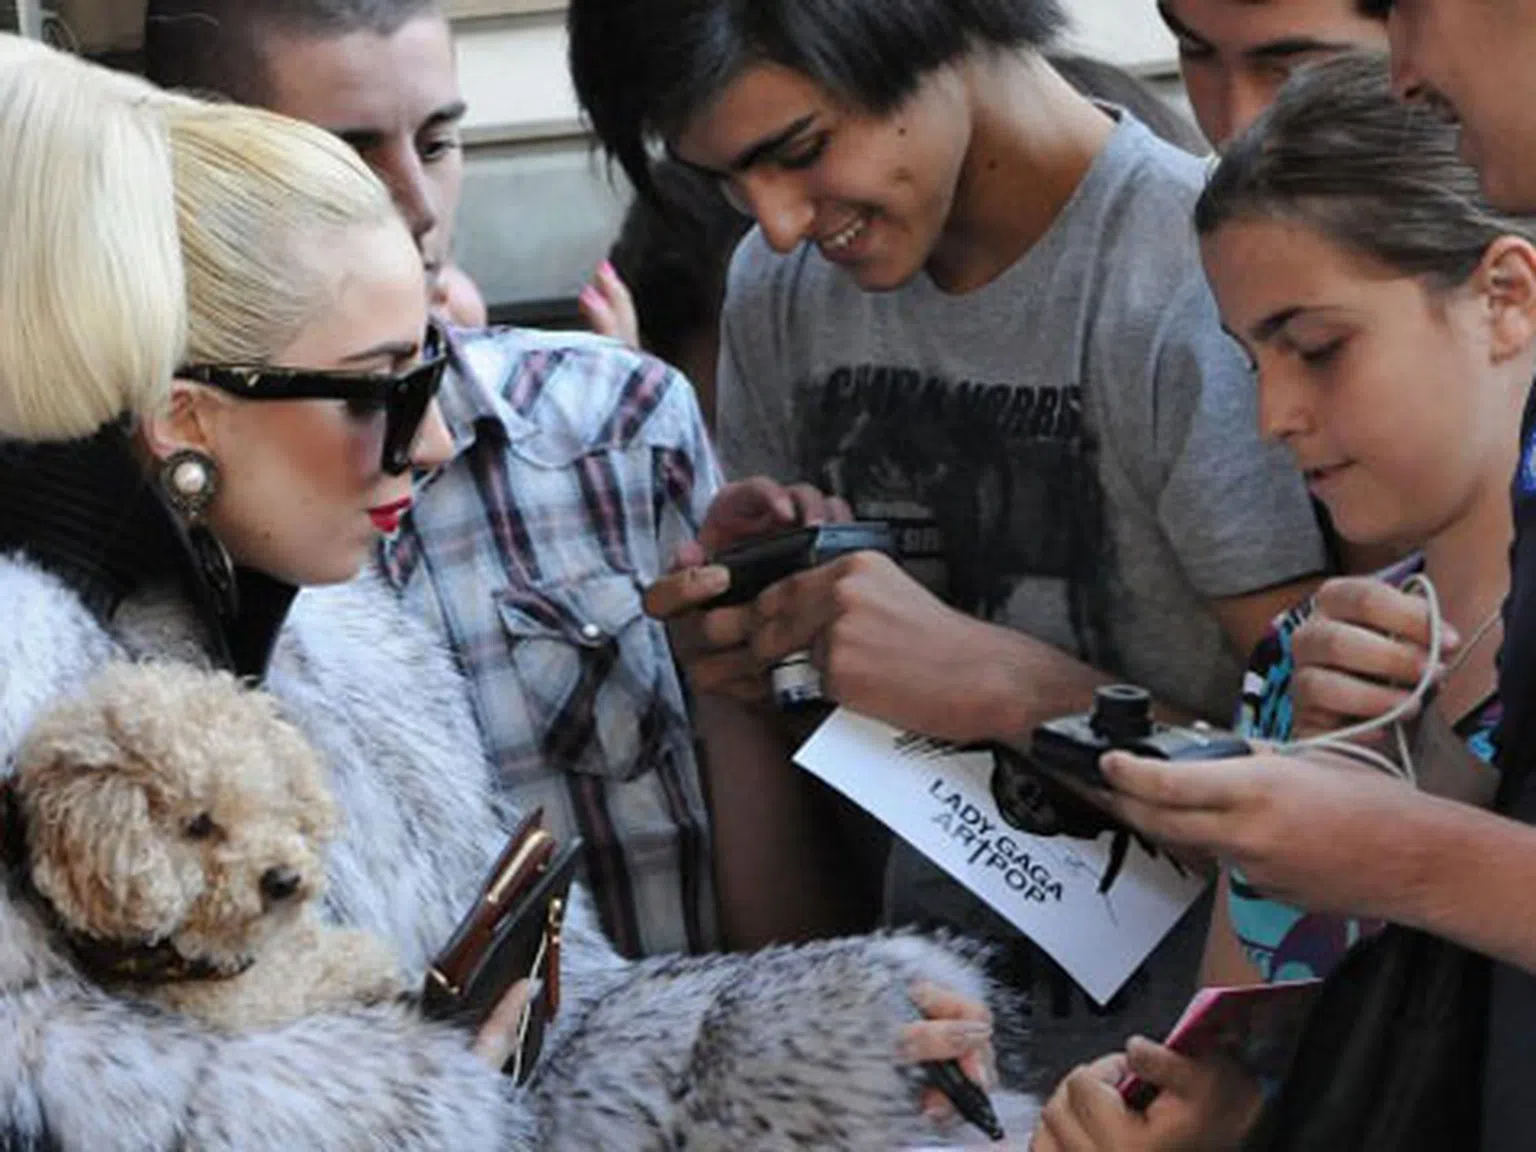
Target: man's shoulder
574 391
1137 208
1150 289
1155 174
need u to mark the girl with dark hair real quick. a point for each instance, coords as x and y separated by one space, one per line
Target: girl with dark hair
1390 315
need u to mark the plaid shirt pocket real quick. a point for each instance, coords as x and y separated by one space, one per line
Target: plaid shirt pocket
583 654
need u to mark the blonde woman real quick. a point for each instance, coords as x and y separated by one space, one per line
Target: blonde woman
269 461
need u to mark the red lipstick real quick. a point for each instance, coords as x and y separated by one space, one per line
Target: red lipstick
386 517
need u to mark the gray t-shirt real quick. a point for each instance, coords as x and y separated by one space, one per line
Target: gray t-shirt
1071 450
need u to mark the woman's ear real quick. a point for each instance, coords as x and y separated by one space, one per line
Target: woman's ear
1507 279
187 422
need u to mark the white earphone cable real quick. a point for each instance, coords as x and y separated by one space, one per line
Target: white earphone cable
1343 740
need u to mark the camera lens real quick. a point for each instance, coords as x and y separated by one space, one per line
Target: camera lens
1031 801
1122 713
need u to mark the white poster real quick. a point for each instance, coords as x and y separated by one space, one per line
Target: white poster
939 798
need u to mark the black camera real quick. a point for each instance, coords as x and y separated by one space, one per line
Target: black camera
1037 802
759 564
1122 720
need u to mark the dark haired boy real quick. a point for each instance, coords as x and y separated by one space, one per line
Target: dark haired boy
675 247
578 469
1236 54
973 306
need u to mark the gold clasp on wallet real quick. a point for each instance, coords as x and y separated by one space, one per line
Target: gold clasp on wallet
552 960
526 855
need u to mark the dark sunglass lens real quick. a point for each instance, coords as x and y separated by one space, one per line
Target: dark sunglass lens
407 409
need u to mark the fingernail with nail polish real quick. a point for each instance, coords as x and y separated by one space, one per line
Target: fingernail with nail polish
972 1030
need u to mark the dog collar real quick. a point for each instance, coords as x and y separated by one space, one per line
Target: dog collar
124 961
141 962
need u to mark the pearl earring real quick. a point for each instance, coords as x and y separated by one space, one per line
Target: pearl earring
190 480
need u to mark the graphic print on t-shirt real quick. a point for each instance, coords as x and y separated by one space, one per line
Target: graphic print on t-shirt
988 484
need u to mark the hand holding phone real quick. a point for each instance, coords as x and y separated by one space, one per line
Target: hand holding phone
758 564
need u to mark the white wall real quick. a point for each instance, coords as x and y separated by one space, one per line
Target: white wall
1127 32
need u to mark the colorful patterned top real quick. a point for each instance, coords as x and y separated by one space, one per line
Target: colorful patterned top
1282 941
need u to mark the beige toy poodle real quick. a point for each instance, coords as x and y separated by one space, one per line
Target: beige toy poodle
173 826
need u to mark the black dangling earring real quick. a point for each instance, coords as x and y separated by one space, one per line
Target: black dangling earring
190 481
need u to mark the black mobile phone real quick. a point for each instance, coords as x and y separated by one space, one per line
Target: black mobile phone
758 564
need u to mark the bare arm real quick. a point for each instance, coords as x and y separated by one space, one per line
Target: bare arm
1055 683
885 645
1224 962
889 649
776 868
1471 875
1332 837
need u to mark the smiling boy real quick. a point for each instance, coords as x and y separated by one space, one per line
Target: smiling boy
972 306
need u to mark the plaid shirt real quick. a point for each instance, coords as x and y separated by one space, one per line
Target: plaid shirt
579 467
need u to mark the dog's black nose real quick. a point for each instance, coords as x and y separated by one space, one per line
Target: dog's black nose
279 883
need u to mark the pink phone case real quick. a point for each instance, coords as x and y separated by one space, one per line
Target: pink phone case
1256 1024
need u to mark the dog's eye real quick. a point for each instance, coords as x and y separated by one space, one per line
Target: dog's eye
200 828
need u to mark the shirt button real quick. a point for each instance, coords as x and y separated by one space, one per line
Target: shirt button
591 632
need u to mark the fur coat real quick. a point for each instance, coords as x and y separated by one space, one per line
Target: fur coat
786 1049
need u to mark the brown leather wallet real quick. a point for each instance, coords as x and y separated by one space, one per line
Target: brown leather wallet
511 933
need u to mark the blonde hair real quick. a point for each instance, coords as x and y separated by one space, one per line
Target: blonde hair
261 200
91 285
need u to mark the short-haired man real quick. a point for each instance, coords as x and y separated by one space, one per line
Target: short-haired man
317 59
972 305
578 469
1235 54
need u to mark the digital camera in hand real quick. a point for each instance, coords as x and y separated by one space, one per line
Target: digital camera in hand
758 564
1121 720
1039 803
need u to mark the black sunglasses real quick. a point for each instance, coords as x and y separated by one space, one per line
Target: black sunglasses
403 398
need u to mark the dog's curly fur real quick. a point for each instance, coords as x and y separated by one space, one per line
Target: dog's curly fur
169 804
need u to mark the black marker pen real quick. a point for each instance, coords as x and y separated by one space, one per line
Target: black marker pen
966 1095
